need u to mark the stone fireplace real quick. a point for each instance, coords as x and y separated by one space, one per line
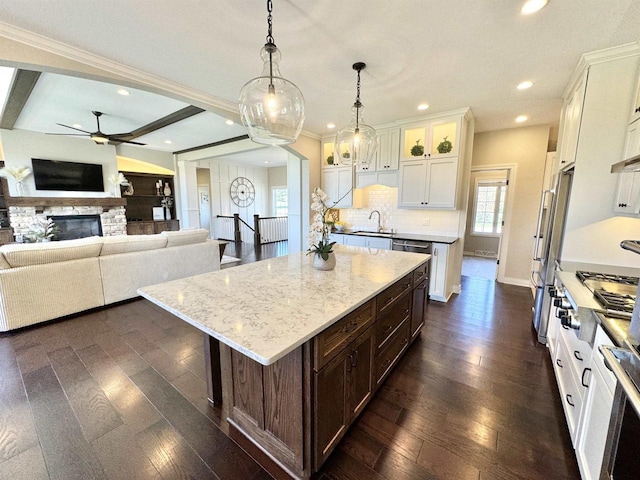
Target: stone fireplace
109 211
76 226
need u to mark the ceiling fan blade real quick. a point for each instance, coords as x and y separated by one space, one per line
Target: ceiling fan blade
124 141
73 128
70 134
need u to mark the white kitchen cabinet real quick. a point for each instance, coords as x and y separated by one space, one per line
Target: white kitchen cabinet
326 152
570 120
627 198
438 286
337 237
597 413
431 134
635 112
388 154
430 183
355 240
379 243
388 179
337 184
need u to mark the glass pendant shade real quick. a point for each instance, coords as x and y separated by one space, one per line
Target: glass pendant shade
271 107
357 142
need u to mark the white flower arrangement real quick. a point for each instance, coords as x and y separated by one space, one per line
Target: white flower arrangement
41 229
318 237
118 179
18 173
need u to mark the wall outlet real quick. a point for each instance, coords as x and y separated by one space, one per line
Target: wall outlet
426 222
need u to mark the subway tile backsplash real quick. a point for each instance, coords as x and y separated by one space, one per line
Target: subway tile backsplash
385 200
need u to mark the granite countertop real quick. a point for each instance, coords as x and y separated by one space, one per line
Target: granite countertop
403 236
267 309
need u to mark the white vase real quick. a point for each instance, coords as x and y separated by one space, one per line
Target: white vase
167 213
19 189
321 264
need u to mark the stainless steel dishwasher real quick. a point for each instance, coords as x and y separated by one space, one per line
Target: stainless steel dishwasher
416 246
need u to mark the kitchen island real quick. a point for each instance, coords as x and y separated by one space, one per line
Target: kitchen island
295 354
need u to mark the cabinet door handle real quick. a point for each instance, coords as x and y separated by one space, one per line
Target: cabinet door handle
582 379
386 364
559 363
350 363
564 326
569 400
387 329
578 355
406 312
354 358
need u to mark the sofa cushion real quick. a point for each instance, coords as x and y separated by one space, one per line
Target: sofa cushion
3 262
131 243
25 254
186 237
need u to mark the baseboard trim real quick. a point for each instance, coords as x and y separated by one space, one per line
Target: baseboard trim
516 281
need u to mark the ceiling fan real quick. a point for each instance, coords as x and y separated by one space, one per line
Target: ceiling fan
98 136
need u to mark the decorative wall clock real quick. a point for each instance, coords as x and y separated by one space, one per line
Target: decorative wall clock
242 192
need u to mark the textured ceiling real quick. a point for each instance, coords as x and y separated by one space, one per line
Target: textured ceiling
447 53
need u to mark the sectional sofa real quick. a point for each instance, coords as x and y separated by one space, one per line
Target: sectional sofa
44 281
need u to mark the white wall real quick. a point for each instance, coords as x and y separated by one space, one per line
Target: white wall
526 148
21 146
277 177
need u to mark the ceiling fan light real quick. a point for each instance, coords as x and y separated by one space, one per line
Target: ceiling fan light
100 140
271 107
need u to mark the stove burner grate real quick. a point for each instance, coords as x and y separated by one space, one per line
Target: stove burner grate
615 301
607 277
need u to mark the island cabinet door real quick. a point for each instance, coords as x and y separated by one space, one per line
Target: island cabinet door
418 310
342 390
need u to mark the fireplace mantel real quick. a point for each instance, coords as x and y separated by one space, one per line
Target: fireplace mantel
65 202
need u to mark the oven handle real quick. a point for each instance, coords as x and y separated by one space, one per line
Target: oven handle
536 247
623 379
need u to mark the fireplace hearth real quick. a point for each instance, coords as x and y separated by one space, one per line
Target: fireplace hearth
76 226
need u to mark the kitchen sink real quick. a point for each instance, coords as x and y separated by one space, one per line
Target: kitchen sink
373 234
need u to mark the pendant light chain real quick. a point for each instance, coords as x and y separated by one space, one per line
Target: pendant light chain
269 22
358 103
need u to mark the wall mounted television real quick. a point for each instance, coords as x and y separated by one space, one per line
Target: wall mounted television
67 176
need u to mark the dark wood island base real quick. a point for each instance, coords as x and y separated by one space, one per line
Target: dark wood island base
292 414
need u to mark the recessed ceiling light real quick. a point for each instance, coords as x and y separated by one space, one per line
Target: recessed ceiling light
522 118
532 6
524 85
229 122
423 106
124 92
331 125
266 161
168 142
76 125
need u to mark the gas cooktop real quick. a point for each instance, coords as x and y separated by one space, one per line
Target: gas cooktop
615 293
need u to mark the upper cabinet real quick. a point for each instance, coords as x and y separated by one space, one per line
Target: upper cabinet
635 113
433 155
570 121
627 198
433 139
328 156
388 154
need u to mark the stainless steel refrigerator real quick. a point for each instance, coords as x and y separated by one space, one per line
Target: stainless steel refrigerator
548 247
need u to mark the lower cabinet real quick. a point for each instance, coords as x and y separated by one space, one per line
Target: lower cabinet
150 228
418 310
597 413
342 389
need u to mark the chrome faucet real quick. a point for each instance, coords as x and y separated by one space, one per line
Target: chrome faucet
371 215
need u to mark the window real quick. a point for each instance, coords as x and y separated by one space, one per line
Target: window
489 207
280 201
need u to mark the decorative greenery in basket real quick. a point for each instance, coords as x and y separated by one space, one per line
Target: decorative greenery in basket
330 159
417 150
445 146
346 154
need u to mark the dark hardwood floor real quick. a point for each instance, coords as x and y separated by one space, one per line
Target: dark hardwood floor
119 393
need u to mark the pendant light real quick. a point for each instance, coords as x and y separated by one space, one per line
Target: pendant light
271 107
356 143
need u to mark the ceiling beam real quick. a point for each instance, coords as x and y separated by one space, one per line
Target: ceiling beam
170 119
215 144
21 87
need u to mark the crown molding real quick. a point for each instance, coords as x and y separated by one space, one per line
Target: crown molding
196 97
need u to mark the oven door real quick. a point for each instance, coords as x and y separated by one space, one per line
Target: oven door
622 451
